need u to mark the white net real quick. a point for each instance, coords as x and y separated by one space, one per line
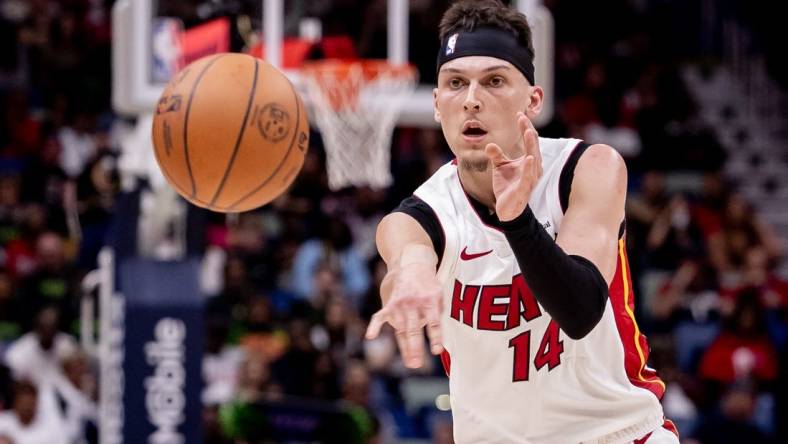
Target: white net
356 105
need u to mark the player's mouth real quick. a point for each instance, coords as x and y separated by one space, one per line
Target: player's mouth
473 131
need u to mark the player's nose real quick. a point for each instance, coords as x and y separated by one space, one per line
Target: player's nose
472 102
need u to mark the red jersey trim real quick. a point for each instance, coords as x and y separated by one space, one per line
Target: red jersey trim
635 345
446 361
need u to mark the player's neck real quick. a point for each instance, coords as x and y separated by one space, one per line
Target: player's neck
478 185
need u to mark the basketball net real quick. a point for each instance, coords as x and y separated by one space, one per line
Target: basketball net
356 105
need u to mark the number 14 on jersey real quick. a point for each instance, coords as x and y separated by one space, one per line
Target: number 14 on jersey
549 352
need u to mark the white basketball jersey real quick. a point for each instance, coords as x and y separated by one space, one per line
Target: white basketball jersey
514 376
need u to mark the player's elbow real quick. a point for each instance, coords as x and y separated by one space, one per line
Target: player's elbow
587 317
577 333
590 301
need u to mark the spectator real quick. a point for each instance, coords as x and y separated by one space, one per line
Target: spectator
757 274
37 355
23 131
741 230
344 329
34 417
54 281
334 251
95 198
259 335
356 389
255 380
77 144
78 373
43 180
10 325
673 236
75 388
643 206
236 292
743 350
733 423
17 237
297 369
709 206
249 239
688 306
364 221
221 364
11 215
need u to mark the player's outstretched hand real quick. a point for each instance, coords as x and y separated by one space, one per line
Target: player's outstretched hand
415 303
514 179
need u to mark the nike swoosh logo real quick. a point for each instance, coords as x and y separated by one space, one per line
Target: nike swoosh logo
466 257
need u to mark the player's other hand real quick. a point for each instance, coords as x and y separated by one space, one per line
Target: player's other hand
415 303
514 179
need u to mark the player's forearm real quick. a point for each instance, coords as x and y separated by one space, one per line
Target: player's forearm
414 253
402 242
570 288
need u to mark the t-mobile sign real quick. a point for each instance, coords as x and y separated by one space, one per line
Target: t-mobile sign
163 348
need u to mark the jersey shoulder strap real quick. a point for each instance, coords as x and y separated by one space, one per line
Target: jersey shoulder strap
568 174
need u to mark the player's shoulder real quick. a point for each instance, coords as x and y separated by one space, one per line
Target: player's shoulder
557 150
601 158
549 145
601 174
440 180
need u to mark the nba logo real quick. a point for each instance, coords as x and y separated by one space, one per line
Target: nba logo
167 57
451 43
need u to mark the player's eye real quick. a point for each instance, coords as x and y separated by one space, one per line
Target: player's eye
455 83
496 81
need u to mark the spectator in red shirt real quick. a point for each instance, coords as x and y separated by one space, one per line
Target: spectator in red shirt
741 230
743 350
757 274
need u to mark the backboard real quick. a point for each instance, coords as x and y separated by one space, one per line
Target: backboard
145 29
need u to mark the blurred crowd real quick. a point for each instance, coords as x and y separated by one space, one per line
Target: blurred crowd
290 287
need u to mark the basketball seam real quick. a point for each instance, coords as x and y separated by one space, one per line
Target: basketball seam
284 158
240 134
169 176
186 125
182 191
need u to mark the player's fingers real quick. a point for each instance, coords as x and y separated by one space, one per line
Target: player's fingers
537 151
414 340
402 337
376 323
528 122
402 344
434 333
495 154
530 136
532 142
529 166
522 123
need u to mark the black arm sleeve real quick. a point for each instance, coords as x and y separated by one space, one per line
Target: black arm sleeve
570 288
426 217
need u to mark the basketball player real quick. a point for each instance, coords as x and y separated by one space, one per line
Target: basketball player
512 257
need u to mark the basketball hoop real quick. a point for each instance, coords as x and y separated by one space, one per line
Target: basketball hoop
356 104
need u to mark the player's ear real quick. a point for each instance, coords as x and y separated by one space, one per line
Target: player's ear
437 114
536 97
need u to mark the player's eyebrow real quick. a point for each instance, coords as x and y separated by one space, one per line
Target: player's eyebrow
488 69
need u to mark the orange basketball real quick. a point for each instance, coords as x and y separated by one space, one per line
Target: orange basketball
230 132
